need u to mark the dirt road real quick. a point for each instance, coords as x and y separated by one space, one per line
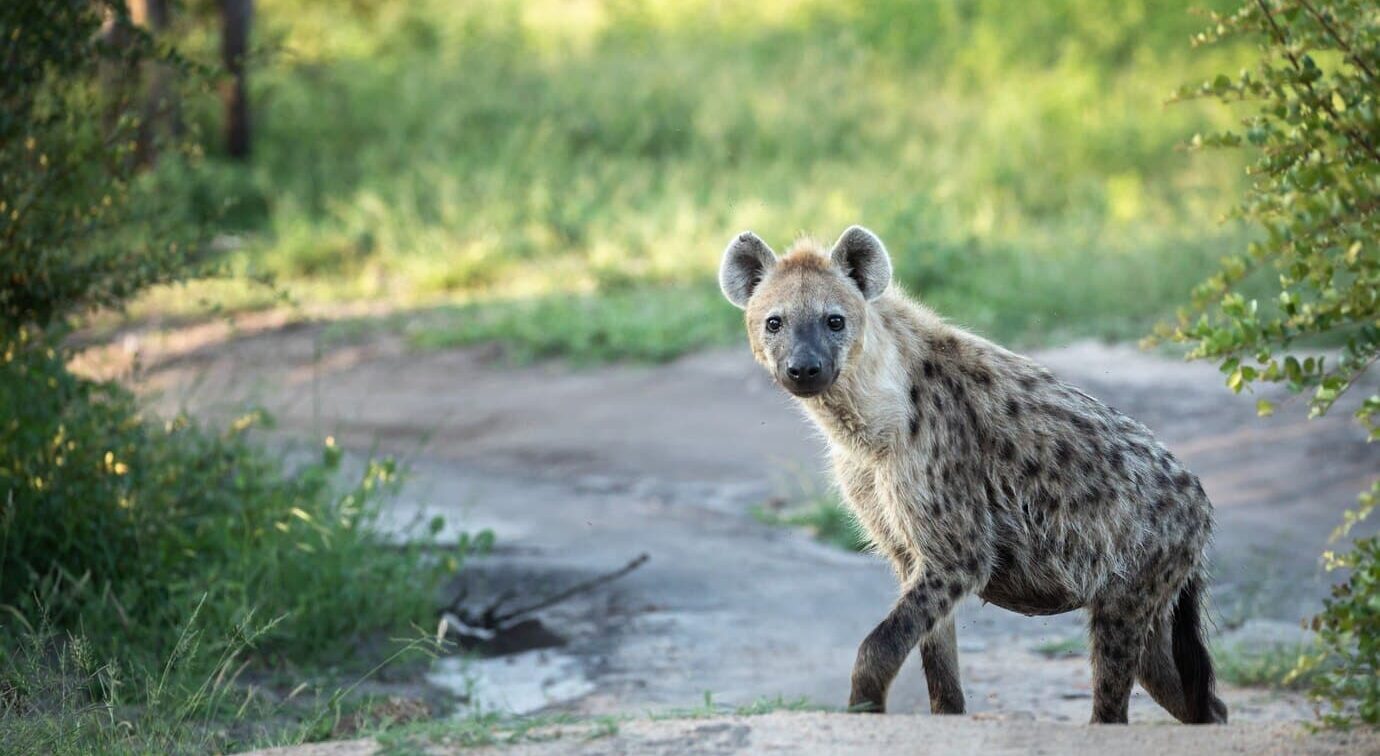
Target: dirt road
577 471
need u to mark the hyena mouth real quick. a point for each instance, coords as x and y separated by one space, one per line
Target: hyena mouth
808 389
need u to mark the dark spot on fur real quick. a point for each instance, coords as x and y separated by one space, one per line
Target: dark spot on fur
1008 450
1013 408
930 369
1062 452
914 425
914 393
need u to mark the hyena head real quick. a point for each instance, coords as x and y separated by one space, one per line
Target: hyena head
807 310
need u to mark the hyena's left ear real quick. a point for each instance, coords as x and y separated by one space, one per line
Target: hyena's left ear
862 257
747 260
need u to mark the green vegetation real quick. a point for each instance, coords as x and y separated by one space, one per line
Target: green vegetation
1265 666
1315 197
656 323
149 568
1074 645
822 513
482 730
569 173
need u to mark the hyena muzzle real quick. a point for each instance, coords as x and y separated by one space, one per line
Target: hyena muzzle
974 470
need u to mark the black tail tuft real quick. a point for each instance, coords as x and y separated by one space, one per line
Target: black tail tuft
1191 657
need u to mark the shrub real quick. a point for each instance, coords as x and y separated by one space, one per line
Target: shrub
1315 198
127 542
118 524
83 225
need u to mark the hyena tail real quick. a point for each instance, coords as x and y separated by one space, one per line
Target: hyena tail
1191 657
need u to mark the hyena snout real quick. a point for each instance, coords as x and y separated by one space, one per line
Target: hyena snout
808 371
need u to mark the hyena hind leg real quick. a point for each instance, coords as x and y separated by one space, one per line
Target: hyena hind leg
939 653
1117 640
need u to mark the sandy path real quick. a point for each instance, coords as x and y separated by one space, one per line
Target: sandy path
845 735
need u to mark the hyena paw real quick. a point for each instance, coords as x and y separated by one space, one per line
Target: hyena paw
863 701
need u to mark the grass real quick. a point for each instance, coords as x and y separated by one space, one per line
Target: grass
1072 646
565 174
58 696
646 324
491 729
165 586
1263 666
818 511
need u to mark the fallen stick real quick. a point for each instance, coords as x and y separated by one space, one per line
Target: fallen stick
574 590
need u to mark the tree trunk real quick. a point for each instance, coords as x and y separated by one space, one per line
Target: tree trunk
159 114
115 77
236 17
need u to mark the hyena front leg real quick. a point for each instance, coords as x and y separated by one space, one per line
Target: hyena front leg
926 601
939 652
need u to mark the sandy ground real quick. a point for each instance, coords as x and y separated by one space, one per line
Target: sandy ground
577 471
810 734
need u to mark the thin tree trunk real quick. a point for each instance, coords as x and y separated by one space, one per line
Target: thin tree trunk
236 17
115 76
160 107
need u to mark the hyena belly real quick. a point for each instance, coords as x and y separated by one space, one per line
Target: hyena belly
1075 512
1024 581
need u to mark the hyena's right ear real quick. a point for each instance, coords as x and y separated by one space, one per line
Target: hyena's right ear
746 262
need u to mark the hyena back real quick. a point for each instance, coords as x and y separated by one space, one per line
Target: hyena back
974 470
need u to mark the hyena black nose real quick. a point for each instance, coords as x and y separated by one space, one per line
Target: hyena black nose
798 370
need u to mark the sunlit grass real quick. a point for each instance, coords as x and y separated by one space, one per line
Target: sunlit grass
1017 158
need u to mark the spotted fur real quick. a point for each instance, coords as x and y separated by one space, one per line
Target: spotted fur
975 470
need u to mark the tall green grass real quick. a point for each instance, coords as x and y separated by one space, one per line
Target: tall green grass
145 566
1016 156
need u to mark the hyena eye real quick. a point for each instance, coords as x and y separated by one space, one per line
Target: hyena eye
835 322
773 324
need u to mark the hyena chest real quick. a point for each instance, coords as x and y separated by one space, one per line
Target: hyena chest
900 506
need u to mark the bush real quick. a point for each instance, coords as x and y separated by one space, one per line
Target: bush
161 549
1315 197
82 223
119 525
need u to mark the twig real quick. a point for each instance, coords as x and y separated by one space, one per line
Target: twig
1332 32
578 588
1318 102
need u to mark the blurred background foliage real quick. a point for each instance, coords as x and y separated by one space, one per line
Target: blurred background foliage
527 155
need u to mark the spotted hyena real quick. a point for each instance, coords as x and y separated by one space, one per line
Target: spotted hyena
975 470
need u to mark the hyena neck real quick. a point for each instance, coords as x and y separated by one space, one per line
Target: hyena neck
867 409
